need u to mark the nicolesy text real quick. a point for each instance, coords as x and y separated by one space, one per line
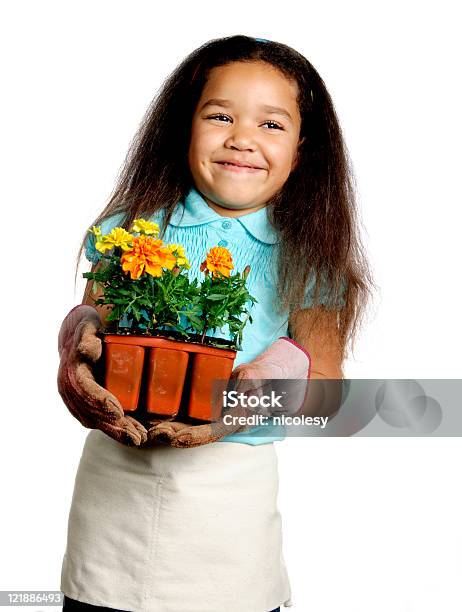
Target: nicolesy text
259 419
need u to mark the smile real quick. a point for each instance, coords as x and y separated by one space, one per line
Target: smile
239 169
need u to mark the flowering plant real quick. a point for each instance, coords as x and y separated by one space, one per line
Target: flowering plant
147 284
223 296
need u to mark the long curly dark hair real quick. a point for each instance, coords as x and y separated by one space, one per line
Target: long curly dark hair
314 212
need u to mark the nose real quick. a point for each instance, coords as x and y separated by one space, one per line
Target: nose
241 138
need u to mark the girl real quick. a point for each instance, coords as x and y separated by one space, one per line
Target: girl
241 148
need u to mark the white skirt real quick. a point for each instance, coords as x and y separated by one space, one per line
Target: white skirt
176 529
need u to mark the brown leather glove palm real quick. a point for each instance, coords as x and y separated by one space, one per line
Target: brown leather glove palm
183 435
94 406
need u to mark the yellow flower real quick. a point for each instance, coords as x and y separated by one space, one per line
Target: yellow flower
147 255
118 237
218 260
178 250
145 227
96 230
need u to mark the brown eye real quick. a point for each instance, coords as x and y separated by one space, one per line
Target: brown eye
277 126
217 116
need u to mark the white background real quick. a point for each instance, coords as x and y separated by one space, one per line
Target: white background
369 524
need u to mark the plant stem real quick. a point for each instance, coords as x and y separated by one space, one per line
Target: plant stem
205 327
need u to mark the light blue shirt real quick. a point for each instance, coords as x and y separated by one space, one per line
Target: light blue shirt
252 241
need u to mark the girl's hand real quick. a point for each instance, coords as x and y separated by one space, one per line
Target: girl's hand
284 359
184 435
94 406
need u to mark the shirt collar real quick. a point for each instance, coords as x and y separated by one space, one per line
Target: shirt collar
195 211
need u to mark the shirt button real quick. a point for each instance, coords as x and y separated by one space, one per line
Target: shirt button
223 243
226 224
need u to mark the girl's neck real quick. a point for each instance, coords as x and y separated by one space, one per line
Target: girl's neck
232 212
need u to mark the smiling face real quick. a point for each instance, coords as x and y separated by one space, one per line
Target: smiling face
248 116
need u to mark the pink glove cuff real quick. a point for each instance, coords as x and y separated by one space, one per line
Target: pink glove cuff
297 357
282 359
296 344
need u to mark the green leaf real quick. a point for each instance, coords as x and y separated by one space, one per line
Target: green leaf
197 322
216 296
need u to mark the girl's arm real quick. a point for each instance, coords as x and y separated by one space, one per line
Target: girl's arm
317 332
89 297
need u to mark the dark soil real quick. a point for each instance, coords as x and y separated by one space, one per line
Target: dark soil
174 335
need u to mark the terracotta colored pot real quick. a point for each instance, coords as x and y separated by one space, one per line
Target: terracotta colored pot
171 375
123 372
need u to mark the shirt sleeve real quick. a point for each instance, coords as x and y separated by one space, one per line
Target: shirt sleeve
324 295
106 225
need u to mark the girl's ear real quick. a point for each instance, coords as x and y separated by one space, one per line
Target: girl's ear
297 154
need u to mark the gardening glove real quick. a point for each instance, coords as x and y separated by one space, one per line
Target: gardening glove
183 435
283 359
94 406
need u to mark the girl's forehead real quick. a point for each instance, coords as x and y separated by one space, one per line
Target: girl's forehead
246 78
250 69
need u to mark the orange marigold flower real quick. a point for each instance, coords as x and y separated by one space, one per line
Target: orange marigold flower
218 259
147 255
